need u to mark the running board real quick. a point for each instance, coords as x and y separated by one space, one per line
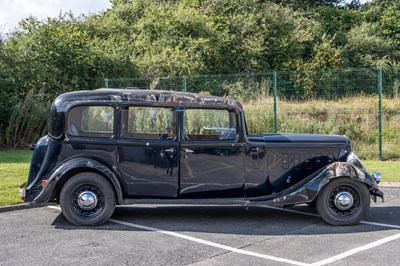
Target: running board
226 201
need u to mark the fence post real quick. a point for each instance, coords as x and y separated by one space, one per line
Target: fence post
106 82
184 83
380 113
274 82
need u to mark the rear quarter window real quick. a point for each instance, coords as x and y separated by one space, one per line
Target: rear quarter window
95 121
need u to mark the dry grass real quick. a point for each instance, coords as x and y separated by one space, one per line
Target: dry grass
355 117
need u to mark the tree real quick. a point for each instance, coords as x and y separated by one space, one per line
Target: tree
310 4
366 48
54 55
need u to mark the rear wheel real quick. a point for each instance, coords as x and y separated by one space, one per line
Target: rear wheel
343 202
87 199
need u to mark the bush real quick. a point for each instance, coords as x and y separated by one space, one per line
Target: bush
28 120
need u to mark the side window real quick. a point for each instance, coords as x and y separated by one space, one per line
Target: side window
148 123
91 121
207 124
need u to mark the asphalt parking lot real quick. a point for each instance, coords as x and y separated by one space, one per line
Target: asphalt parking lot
202 235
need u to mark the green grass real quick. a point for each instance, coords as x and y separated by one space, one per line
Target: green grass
15 156
14 167
390 170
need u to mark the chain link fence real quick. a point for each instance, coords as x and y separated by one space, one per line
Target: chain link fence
363 104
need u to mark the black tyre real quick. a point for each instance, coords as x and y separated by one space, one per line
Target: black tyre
343 202
87 199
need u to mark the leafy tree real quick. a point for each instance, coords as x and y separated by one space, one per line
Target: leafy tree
54 55
261 36
300 4
390 22
365 48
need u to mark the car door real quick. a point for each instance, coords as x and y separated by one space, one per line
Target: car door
148 151
211 163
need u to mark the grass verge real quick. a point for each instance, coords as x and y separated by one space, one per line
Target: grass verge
14 167
389 169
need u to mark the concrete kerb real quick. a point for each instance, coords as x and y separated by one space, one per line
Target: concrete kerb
13 207
390 184
24 206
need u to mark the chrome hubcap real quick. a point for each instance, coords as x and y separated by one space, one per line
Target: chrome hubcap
344 200
87 200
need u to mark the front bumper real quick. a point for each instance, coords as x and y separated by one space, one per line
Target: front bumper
375 193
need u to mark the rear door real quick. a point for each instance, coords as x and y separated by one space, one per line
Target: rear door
148 151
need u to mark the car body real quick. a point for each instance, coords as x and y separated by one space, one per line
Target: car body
128 146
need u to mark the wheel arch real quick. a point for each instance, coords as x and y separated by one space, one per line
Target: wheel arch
308 190
70 168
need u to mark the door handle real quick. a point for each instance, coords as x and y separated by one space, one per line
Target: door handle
188 151
170 150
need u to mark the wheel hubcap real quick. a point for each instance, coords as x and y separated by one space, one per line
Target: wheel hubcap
344 201
87 200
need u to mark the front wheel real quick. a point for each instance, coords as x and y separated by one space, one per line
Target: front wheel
343 202
87 199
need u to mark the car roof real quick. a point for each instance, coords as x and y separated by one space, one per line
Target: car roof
134 96
131 96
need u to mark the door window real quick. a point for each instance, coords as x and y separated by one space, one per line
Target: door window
210 124
148 123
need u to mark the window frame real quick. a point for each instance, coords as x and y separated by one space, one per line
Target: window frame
123 134
235 115
87 134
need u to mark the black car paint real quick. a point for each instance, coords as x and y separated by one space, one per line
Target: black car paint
271 168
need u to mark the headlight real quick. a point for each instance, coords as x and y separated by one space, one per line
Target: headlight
353 159
377 177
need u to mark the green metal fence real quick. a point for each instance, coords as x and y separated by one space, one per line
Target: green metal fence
363 104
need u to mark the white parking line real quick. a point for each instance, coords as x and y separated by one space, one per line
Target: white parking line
201 241
357 250
209 243
54 207
287 210
352 251
380 224
316 215
259 255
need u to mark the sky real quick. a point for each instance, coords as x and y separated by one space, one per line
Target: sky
13 11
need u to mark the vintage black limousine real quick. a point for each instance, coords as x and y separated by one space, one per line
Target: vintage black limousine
125 146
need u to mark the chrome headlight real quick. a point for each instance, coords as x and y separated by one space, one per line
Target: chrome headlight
377 177
353 159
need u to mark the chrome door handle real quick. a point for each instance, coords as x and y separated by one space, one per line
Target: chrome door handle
170 150
187 151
